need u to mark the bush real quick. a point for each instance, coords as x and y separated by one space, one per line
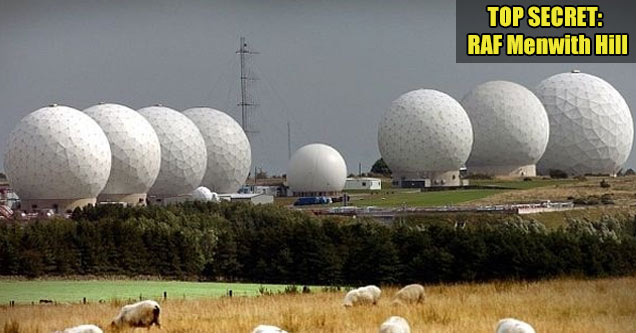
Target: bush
478 176
558 174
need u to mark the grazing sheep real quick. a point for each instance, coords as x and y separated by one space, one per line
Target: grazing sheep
140 314
395 324
413 293
268 329
374 291
82 329
362 295
511 325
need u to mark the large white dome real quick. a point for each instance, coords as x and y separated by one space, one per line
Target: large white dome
316 168
183 154
591 128
510 125
425 130
229 152
57 152
136 153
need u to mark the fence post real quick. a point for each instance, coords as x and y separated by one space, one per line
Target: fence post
84 300
230 293
165 295
140 297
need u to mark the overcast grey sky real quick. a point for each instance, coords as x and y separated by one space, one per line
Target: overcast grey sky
331 68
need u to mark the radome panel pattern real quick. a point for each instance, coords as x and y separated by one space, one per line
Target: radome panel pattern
317 168
57 152
510 125
183 154
229 151
425 130
591 128
136 153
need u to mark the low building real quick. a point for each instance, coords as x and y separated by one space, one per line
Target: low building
254 198
363 183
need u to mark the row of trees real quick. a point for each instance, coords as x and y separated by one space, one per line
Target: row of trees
240 242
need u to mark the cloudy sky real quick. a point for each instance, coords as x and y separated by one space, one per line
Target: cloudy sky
329 68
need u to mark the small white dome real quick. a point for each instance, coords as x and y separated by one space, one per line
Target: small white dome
203 193
228 149
57 152
183 153
136 153
316 168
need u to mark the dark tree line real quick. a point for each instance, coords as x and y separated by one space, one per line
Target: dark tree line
240 242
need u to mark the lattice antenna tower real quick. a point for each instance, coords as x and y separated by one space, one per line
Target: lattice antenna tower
247 78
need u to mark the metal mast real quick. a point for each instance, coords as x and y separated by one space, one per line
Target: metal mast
288 141
246 103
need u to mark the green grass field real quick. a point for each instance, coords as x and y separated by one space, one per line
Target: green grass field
24 291
415 199
520 184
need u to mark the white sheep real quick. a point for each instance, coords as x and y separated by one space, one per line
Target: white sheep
374 291
82 329
413 293
511 325
395 324
268 329
141 314
363 295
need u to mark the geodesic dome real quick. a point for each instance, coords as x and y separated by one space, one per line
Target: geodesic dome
591 128
57 152
183 153
316 168
135 149
425 130
228 149
510 125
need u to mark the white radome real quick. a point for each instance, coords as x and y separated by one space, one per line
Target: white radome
228 149
136 153
591 128
56 153
203 193
510 126
316 168
425 130
183 153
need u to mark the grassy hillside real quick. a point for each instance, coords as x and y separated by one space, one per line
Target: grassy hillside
420 199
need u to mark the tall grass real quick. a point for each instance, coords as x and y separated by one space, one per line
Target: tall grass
565 305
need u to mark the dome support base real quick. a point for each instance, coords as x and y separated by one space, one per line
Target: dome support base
57 205
529 170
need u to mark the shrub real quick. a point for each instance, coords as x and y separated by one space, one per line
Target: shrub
557 174
478 176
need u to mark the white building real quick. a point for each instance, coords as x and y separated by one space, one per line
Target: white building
363 183
254 198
